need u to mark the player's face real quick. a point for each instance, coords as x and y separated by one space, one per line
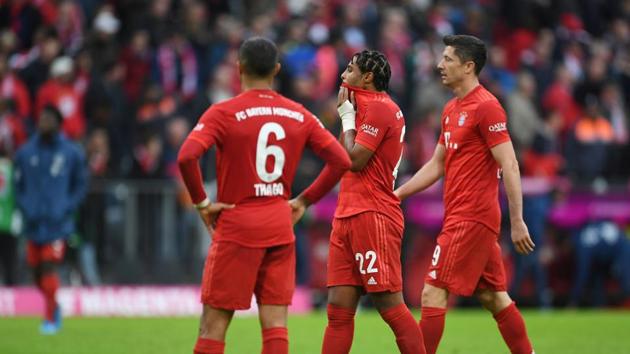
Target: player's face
352 75
452 69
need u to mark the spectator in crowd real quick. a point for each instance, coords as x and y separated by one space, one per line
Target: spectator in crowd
12 129
69 25
50 183
101 42
601 249
60 91
558 98
13 89
136 57
34 64
589 143
23 18
523 117
175 66
9 221
542 163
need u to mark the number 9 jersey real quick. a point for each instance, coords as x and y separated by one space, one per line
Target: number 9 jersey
259 136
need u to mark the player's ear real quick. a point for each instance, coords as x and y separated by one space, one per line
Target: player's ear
470 67
368 77
276 70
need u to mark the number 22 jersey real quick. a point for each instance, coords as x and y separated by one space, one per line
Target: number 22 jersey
259 136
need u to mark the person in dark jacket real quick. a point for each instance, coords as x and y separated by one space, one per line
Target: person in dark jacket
51 181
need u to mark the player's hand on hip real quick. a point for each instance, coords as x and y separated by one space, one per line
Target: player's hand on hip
210 213
520 237
298 207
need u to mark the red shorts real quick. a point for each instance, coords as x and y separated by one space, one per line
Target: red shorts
365 252
467 257
48 252
233 273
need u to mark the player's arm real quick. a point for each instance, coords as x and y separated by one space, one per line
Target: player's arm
191 151
432 171
503 153
359 154
337 163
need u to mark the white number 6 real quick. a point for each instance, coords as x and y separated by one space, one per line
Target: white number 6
263 151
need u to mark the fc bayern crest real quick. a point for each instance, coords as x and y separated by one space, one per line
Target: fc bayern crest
462 118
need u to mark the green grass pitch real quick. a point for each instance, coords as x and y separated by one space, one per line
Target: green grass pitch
467 331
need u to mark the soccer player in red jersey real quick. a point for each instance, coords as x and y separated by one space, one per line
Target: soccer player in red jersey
473 152
367 229
259 136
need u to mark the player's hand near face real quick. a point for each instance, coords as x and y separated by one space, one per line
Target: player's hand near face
343 96
298 207
521 239
346 107
210 213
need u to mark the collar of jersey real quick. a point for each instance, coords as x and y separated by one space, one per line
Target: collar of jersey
362 91
469 94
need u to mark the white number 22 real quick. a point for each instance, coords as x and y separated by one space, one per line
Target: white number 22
369 256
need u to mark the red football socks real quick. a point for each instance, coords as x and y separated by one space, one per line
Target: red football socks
512 328
49 283
432 326
208 346
339 332
275 340
408 335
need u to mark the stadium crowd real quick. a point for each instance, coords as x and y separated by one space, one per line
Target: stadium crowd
131 78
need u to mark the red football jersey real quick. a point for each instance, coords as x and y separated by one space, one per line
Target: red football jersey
470 127
380 128
260 136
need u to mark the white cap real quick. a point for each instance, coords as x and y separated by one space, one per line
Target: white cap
61 66
106 22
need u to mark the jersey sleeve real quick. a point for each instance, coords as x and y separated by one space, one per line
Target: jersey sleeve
492 123
210 128
374 127
319 137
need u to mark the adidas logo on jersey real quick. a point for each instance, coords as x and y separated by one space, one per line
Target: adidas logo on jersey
372 281
433 274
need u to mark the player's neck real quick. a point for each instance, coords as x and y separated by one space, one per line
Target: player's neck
465 87
369 87
256 83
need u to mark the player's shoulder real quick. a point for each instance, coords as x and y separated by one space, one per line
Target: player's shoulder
290 104
382 104
489 104
485 98
298 107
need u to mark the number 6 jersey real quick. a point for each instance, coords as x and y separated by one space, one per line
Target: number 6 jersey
259 136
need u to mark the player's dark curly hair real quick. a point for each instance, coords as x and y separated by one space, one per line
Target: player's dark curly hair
375 62
468 48
258 56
